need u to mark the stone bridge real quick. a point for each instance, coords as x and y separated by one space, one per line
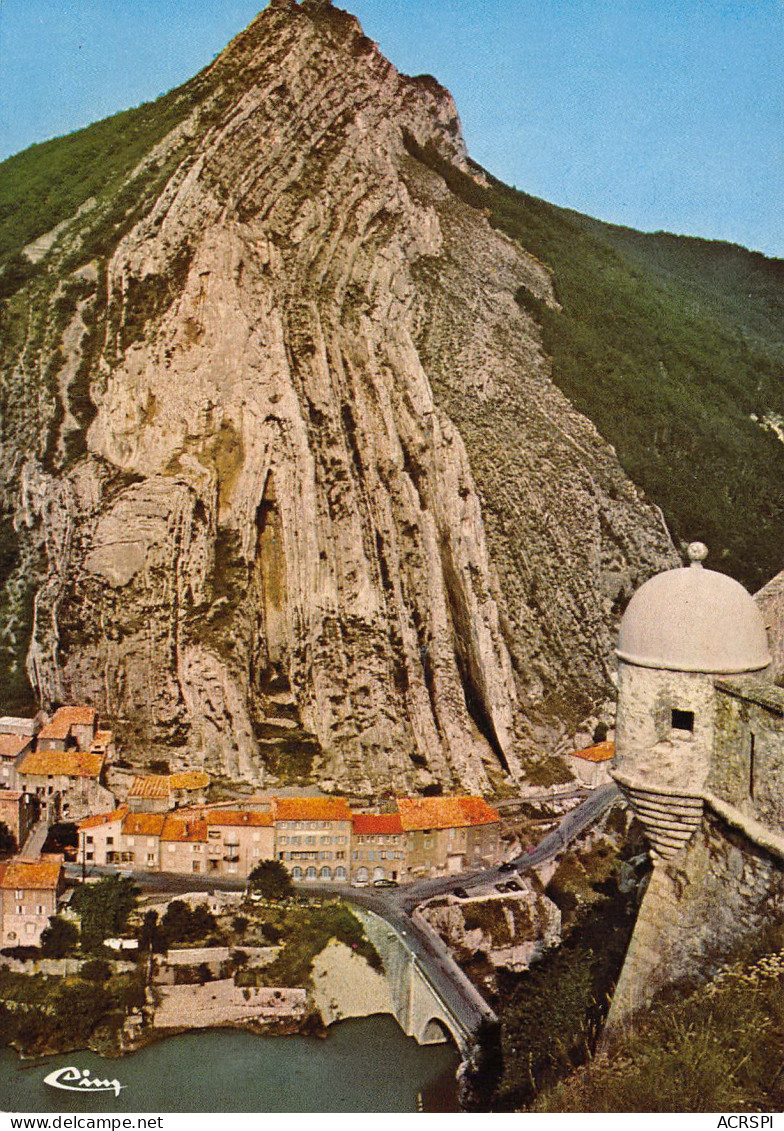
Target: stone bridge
419 1008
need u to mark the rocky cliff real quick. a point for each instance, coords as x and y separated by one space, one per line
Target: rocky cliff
291 485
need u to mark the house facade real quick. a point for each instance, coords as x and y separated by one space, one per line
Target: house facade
378 847
448 835
313 837
18 812
29 890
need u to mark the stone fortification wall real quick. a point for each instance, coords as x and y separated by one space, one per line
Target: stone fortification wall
698 908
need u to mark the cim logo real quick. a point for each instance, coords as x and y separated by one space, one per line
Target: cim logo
72 1079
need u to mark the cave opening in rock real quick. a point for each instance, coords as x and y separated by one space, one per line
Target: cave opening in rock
271 588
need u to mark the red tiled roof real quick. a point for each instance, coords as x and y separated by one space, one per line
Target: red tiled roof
143 824
160 786
370 823
31 874
102 739
444 812
186 830
103 818
602 752
311 809
70 763
189 779
240 817
76 716
150 785
11 745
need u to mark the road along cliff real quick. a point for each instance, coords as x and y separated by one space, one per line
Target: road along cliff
290 487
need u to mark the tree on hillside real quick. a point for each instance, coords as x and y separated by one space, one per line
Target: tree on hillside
270 879
59 938
104 908
182 923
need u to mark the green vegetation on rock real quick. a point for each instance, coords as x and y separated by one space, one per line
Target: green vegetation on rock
670 345
715 1048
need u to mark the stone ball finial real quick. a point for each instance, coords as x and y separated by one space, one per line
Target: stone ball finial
696 552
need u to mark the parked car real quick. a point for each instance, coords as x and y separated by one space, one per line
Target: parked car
385 884
359 883
500 887
461 893
507 866
512 885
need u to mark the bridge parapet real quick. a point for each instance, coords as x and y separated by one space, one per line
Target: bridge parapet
419 1010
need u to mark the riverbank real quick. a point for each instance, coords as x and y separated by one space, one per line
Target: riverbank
365 1065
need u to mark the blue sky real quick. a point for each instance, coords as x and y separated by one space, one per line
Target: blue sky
652 113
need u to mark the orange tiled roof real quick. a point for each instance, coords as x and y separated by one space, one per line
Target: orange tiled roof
150 785
370 823
76 716
12 745
103 818
143 824
240 817
59 730
189 779
444 812
160 786
311 809
31 874
602 752
71 763
184 829
102 739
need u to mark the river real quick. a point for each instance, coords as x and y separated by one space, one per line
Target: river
366 1065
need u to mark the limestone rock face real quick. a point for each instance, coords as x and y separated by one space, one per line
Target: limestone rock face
328 484
511 931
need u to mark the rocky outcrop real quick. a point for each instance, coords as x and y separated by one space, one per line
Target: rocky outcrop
326 479
511 931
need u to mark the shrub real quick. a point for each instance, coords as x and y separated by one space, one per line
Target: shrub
59 938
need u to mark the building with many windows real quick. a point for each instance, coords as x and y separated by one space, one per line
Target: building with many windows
447 835
313 837
378 847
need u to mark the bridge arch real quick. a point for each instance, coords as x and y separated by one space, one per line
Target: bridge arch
437 1032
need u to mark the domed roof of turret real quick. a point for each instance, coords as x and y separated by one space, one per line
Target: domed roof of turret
694 620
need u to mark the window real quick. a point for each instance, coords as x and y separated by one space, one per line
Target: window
214 834
110 840
39 910
19 895
682 721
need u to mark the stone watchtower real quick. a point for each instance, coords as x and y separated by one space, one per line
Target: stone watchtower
698 728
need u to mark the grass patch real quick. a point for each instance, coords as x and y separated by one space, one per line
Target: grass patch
719 1048
304 931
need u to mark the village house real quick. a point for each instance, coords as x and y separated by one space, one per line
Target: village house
18 812
29 890
69 782
70 728
378 845
447 835
141 843
100 838
591 767
183 843
313 837
238 840
13 749
159 793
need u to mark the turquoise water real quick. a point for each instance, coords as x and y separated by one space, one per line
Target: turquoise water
366 1065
